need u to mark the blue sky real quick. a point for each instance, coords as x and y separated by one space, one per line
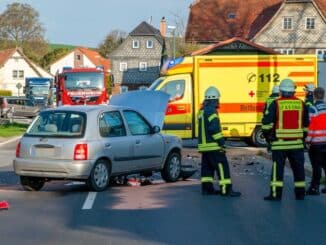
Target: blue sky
87 22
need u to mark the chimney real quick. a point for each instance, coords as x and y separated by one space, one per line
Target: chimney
163 27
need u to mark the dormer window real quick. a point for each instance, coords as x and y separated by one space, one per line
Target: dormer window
231 16
135 43
310 23
149 44
287 23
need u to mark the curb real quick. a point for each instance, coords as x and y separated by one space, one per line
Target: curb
11 139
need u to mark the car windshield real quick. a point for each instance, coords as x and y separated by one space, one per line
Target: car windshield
58 124
40 90
156 83
84 80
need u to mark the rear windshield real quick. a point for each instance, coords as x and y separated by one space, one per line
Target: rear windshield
58 124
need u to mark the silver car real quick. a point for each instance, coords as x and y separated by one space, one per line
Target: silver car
93 144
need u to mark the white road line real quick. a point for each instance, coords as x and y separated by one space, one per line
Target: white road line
10 140
88 204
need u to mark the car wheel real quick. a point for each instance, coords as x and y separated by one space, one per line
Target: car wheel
100 176
257 138
32 183
172 167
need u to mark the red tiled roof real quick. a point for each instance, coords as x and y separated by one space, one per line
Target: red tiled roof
218 20
5 55
213 47
96 58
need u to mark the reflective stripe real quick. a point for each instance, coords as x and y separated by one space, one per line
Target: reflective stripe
288 147
274 180
287 142
277 183
208 147
300 184
288 136
223 181
289 133
206 179
267 126
217 136
211 117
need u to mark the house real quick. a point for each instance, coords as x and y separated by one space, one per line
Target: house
80 57
136 62
14 68
287 26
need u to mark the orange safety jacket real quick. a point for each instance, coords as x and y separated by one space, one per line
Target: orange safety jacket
317 127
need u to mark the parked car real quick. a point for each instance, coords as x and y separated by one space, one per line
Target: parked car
94 144
23 107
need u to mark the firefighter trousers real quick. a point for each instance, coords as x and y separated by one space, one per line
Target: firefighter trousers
215 161
296 159
317 156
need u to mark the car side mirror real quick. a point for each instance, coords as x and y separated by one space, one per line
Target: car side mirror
155 129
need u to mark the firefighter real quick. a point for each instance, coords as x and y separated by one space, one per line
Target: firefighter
283 127
309 90
274 95
211 145
316 140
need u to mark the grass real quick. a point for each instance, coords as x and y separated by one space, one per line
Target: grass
13 129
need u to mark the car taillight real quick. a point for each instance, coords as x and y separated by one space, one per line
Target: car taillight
18 149
81 152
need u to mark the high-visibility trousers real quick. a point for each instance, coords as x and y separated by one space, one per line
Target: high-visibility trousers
215 161
296 159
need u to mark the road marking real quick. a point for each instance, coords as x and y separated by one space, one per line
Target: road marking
88 204
9 141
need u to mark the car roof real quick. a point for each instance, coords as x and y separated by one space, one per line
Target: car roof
86 108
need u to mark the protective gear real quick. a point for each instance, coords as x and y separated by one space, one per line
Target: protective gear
276 89
212 93
287 85
309 87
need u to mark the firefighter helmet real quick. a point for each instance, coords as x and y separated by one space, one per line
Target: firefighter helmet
212 93
309 87
276 89
287 85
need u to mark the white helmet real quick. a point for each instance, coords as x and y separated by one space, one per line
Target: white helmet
309 87
276 89
212 93
287 85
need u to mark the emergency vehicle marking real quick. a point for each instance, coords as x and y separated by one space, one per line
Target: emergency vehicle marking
302 74
259 64
241 107
177 109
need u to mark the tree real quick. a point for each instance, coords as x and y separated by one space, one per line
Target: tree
111 42
20 27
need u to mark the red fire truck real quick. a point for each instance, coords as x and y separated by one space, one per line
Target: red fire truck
81 86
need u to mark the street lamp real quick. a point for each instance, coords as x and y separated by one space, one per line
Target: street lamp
172 28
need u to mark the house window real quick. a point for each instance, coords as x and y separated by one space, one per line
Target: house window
78 57
135 43
14 74
231 15
142 66
123 89
286 50
310 23
123 66
149 44
287 23
21 74
321 54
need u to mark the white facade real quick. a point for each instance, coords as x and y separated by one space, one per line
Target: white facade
15 70
69 61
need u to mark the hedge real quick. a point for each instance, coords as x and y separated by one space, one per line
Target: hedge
5 92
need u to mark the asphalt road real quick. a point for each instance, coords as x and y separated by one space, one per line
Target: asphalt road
66 213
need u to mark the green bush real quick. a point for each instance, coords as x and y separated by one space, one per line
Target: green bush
5 92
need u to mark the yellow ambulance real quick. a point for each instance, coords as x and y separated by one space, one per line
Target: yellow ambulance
244 82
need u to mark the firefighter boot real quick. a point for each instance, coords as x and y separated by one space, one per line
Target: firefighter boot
276 197
231 193
208 189
313 191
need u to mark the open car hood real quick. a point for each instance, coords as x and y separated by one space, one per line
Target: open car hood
151 104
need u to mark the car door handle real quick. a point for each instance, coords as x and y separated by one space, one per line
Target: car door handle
107 145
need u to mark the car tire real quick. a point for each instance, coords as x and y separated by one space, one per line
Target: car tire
172 167
257 138
99 178
32 183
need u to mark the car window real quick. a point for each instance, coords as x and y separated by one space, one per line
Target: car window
58 124
136 123
175 89
111 124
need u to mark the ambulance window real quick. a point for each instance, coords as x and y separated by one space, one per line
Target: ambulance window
175 89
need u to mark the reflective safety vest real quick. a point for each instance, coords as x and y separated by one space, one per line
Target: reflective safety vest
269 101
289 125
317 126
206 141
